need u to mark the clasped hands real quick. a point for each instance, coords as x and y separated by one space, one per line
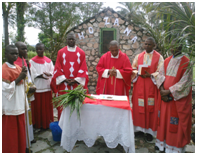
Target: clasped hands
44 74
145 75
112 72
70 82
164 94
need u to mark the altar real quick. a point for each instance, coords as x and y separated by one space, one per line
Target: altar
110 119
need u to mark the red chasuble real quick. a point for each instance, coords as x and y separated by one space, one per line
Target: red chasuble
112 85
174 117
71 65
144 97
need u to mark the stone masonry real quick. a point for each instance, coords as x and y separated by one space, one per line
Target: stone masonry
130 37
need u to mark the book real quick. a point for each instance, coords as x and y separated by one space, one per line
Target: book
110 97
145 69
142 69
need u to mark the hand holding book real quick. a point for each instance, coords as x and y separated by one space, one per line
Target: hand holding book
144 71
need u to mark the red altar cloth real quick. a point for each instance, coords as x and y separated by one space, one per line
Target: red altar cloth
110 103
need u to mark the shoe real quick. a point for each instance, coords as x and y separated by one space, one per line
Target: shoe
33 141
156 149
148 138
139 133
27 150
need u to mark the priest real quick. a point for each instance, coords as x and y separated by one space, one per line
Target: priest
114 72
70 68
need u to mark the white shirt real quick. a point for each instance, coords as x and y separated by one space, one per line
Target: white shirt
13 97
37 69
105 73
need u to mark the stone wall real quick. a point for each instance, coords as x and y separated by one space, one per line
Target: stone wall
88 38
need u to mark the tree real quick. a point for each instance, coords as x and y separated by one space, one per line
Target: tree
56 18
53 19
129 9
6 7
20 20
89 9
165 21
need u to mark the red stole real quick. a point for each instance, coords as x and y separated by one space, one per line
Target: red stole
145 87
71 65
179 110
112 85
41 60
19 62
10 74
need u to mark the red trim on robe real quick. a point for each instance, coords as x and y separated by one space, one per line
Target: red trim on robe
119 86
42 110
10 74
41 60
19 62
13 134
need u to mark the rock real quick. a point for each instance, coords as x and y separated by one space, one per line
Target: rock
141 150
59 149
190 148
39 145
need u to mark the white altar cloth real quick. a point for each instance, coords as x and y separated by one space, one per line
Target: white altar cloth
114 124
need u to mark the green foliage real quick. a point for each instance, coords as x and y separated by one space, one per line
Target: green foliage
31 48
73 98
88 9
3 55
31 54
54 19
20 10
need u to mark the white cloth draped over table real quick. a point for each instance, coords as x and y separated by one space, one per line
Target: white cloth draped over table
114 124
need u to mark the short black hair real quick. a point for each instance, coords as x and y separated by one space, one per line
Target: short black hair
17 44
8 47
39 44
177 43
71 34
152 39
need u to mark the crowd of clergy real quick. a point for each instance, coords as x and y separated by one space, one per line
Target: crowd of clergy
161 94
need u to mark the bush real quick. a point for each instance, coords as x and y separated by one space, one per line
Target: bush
3 55
31 54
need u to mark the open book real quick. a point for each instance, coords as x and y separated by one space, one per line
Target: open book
110 97
142 69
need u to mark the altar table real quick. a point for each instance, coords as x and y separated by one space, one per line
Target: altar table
115 125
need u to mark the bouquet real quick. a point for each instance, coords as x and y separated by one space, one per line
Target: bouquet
74 99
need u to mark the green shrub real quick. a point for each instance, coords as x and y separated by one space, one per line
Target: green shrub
31 54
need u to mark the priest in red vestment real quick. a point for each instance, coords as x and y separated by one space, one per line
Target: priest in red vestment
114 72
13 104
70 69
144 97
175 102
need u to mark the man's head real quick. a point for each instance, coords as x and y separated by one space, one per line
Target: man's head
114 47
22 49
176 47
70 39
40 49
149 44
11 53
